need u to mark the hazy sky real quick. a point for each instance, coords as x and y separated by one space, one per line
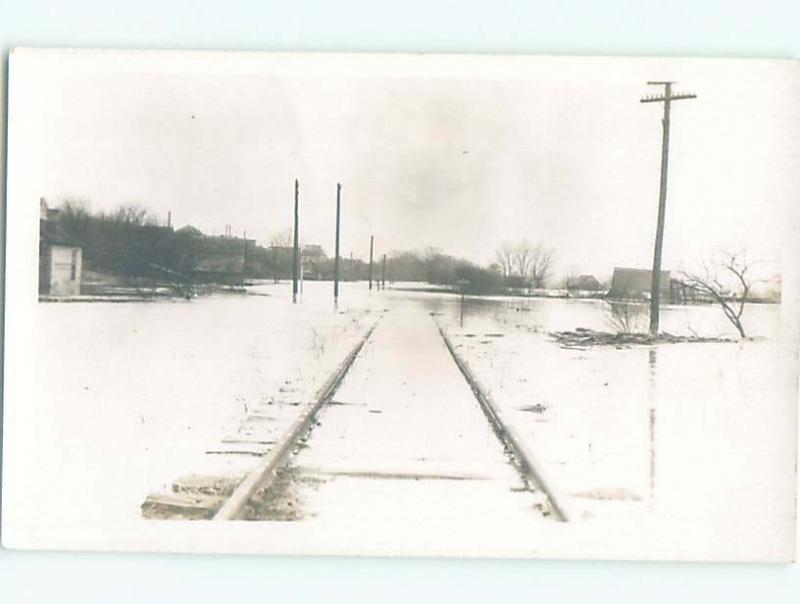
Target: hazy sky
457 153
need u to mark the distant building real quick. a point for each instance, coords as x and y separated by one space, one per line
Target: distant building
681 292
635 283
60 257
313 251
586 283
313 261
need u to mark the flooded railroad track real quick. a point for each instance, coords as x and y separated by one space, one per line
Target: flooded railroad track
225 498
530 471
403 441
265 474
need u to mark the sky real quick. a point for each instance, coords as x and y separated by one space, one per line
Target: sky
458 153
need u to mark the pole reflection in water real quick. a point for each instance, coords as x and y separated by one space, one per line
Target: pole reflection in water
462 283
652 358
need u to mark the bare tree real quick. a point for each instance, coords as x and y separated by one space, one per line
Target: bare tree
282 238
626 316
75 217
523 257
505 258
541 262
529 262
281 258
133 214
726 280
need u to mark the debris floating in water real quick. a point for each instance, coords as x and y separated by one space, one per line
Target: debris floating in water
588 337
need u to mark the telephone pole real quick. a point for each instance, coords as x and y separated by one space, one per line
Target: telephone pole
371 242
655 284
336 258
244 254
296 250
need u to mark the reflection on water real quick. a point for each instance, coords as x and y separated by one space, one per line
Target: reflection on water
652 357
554 314
606 411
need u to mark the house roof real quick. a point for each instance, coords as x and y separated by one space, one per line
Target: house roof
634 280
640 273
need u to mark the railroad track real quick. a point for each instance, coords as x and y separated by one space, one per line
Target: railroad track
226 498
533 477
529 469
262 477
232 499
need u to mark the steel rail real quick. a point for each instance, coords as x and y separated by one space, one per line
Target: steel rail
531 472
264 475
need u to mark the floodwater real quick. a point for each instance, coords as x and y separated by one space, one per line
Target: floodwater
692 435
560 314
402 442
128 397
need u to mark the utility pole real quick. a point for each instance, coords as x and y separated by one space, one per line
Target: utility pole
383 273
371 242
244 254
336 258
655 284
296 250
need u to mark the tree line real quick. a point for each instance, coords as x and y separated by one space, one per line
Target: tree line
130 242
521 265
127 242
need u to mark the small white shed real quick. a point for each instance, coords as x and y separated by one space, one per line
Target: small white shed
60 270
